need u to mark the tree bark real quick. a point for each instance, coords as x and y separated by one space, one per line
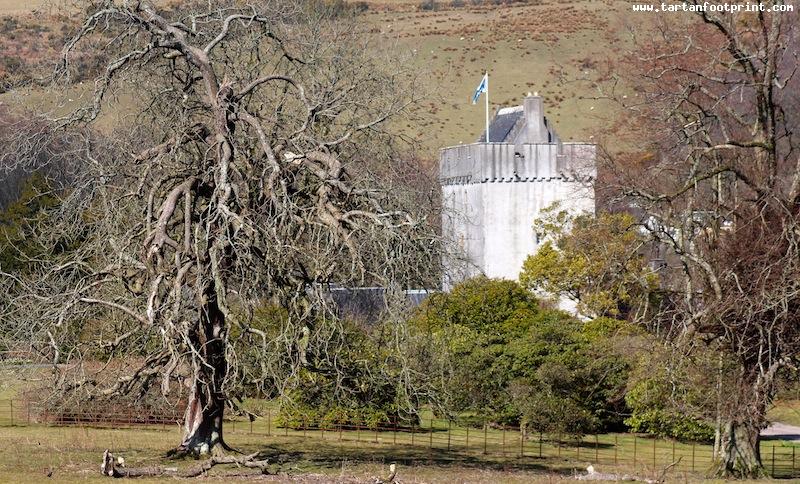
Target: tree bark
206 405
737 450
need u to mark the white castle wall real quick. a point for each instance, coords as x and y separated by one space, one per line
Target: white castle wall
491 197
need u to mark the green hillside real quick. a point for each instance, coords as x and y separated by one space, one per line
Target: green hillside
545 46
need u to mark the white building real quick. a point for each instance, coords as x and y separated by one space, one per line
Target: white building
493 192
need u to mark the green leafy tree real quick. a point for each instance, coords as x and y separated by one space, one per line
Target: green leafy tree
595 261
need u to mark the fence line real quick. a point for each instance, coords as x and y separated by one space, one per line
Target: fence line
443 440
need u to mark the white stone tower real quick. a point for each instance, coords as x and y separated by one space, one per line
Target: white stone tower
492 192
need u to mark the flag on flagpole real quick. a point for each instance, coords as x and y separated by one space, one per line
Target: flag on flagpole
482 87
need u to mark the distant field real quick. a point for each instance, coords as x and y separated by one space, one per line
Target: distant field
785 411
20 6
543 46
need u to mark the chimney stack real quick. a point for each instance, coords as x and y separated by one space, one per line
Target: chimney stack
534 118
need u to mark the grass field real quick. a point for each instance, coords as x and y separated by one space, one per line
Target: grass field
438 451
72 454
785 411
19 6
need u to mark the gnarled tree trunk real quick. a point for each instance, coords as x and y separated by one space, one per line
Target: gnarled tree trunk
737 452
205 409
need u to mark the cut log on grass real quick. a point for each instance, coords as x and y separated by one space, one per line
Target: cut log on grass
115 467
593 475
392 475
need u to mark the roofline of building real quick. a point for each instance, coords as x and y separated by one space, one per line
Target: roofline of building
584 143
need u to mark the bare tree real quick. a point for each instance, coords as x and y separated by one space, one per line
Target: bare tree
719 184
244 171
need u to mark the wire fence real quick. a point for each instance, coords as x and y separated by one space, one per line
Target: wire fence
441 439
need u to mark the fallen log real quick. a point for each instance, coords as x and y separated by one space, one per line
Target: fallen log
115 466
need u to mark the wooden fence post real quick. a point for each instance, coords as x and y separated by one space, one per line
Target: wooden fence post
430 442
412 433
449 429
540 445
11 405
634 451
269 422
504 441
692 456
773 462
673 450
521 442
467 446
394 432
596 449
616 445
655 439
485 430
430 439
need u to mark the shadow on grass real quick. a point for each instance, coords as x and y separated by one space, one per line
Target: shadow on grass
307 456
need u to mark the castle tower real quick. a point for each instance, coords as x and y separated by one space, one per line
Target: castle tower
492 192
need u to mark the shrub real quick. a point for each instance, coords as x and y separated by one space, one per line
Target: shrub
360 7
480 304
648 400
361 387
429 5
515 362
666 424
331 417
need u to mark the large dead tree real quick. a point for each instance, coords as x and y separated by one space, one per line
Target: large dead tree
244 169
720 188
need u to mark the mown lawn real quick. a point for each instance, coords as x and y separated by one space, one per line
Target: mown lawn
72 454
785 411
435 451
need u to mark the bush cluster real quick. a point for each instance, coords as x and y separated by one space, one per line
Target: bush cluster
362 386
518 363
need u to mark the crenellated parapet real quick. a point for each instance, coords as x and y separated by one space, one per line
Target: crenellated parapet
505 162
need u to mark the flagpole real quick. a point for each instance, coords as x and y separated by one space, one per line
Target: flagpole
487 106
